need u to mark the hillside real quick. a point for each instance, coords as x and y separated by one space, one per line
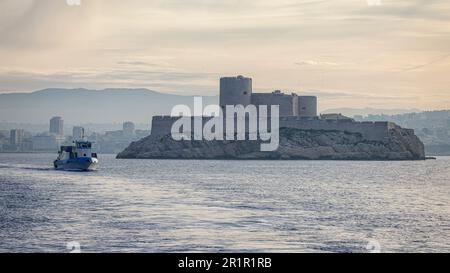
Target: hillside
93 106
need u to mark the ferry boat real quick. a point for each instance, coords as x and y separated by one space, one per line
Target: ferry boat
78 157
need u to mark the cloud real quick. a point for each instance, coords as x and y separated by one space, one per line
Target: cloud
424 65
315 63
186 45
137 63
169 81
341 95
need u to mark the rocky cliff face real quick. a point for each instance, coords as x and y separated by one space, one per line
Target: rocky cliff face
401 144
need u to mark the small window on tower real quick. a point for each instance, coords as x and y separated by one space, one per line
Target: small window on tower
245 93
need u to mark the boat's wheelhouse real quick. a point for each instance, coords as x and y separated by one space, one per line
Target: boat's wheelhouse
84 149
81 149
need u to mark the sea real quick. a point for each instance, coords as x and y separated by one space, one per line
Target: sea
219 206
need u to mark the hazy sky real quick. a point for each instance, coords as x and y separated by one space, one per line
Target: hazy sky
352 54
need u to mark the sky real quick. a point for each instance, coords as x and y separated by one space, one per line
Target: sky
351 53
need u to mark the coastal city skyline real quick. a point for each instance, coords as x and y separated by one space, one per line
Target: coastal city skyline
433 127
19 140
349 53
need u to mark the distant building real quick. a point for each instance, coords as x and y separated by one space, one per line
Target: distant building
16 137
4 139
47 142
4 133
128 129
78 133
114 134
116 141
18 141
57 126
26 145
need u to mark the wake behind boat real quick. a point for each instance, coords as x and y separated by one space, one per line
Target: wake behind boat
78 157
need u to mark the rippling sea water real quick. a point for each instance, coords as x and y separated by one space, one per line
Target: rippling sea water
223 206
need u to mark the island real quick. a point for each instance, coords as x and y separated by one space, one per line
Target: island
294 144
303 134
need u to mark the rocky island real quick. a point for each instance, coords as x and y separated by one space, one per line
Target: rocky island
303 134
294 144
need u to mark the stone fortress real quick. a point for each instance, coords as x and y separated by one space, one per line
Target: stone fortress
299 112
238 91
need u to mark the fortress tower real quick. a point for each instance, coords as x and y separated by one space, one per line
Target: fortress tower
235 91
288 103
307 106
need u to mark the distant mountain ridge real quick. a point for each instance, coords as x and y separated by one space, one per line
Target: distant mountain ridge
351 112
114 105
95 106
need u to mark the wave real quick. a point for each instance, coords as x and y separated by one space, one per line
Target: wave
30 168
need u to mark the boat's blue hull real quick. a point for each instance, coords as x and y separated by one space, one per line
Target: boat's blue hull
76 164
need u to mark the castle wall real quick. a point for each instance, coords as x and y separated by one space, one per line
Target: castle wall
287 103
162 125
376 131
